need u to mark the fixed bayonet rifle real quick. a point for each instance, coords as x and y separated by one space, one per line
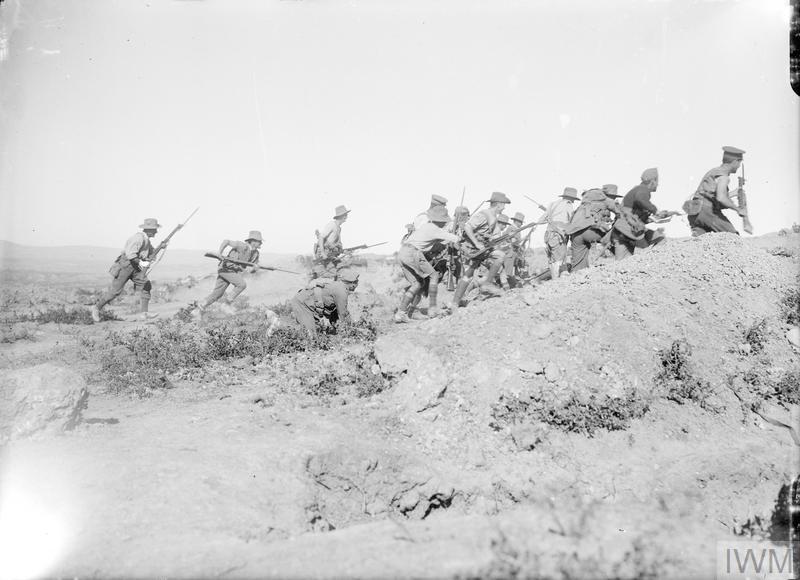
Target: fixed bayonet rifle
161 249
249 264
742 202
362 247
494 242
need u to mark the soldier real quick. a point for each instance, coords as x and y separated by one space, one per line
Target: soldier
705 207
132 264
629 227
328 249
514 254
590 222
557 217
478 231
436 201
229 273
414 264
324 301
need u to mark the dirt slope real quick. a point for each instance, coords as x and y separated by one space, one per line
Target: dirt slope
489 456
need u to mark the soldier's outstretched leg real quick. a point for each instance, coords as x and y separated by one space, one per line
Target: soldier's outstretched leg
405 302
461 289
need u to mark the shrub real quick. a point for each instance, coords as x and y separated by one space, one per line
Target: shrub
677 378
576 414
790 305
756 336
60 315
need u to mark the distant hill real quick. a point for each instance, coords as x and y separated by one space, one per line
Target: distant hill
94 260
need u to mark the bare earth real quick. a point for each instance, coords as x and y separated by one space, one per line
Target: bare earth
250 472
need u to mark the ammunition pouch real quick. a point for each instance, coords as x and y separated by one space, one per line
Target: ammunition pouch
119 265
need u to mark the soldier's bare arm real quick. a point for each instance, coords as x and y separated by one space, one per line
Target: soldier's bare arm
723 196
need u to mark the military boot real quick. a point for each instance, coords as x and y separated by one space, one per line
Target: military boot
458 295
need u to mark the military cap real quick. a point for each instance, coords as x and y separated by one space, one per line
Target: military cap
650 174
254 235
499 196
438 213
610 189
731 154
734 152
570 193
438 200
150 224
519 217
341 211
502 218
348 275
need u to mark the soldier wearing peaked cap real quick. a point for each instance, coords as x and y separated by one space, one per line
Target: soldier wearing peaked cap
704 208
415 264
557 217
132 264
328 247
324 302
229 273
590 222
478 231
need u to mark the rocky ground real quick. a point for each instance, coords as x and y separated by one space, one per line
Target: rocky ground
614 423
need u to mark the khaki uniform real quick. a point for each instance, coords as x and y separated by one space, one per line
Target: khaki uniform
229 273
126 267
327 251
323 298
589 223
555 236
703 210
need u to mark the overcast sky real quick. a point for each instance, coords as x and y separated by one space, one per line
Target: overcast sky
268 114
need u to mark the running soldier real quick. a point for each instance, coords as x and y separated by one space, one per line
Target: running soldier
590 222
132 264
328 248
705 207
557 217
416 268
324 302
478 231
229 273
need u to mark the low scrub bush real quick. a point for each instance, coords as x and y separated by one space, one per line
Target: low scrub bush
60 315
677 379
756 336
577 414
790 305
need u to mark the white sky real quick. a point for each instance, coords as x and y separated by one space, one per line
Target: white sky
267 114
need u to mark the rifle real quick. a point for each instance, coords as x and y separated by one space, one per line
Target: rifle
742 200
161 249
463 191
251 264
663 216
494 242
540 206
362 247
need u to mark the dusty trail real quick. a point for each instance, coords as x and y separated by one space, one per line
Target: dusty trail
251 478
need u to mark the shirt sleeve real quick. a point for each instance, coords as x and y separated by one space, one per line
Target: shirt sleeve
133 246
478 220
643 201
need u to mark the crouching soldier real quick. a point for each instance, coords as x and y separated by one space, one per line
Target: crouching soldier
324 301
416 268
629 230
591 222
229 273
132 264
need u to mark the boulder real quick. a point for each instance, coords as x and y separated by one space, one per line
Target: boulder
42 399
